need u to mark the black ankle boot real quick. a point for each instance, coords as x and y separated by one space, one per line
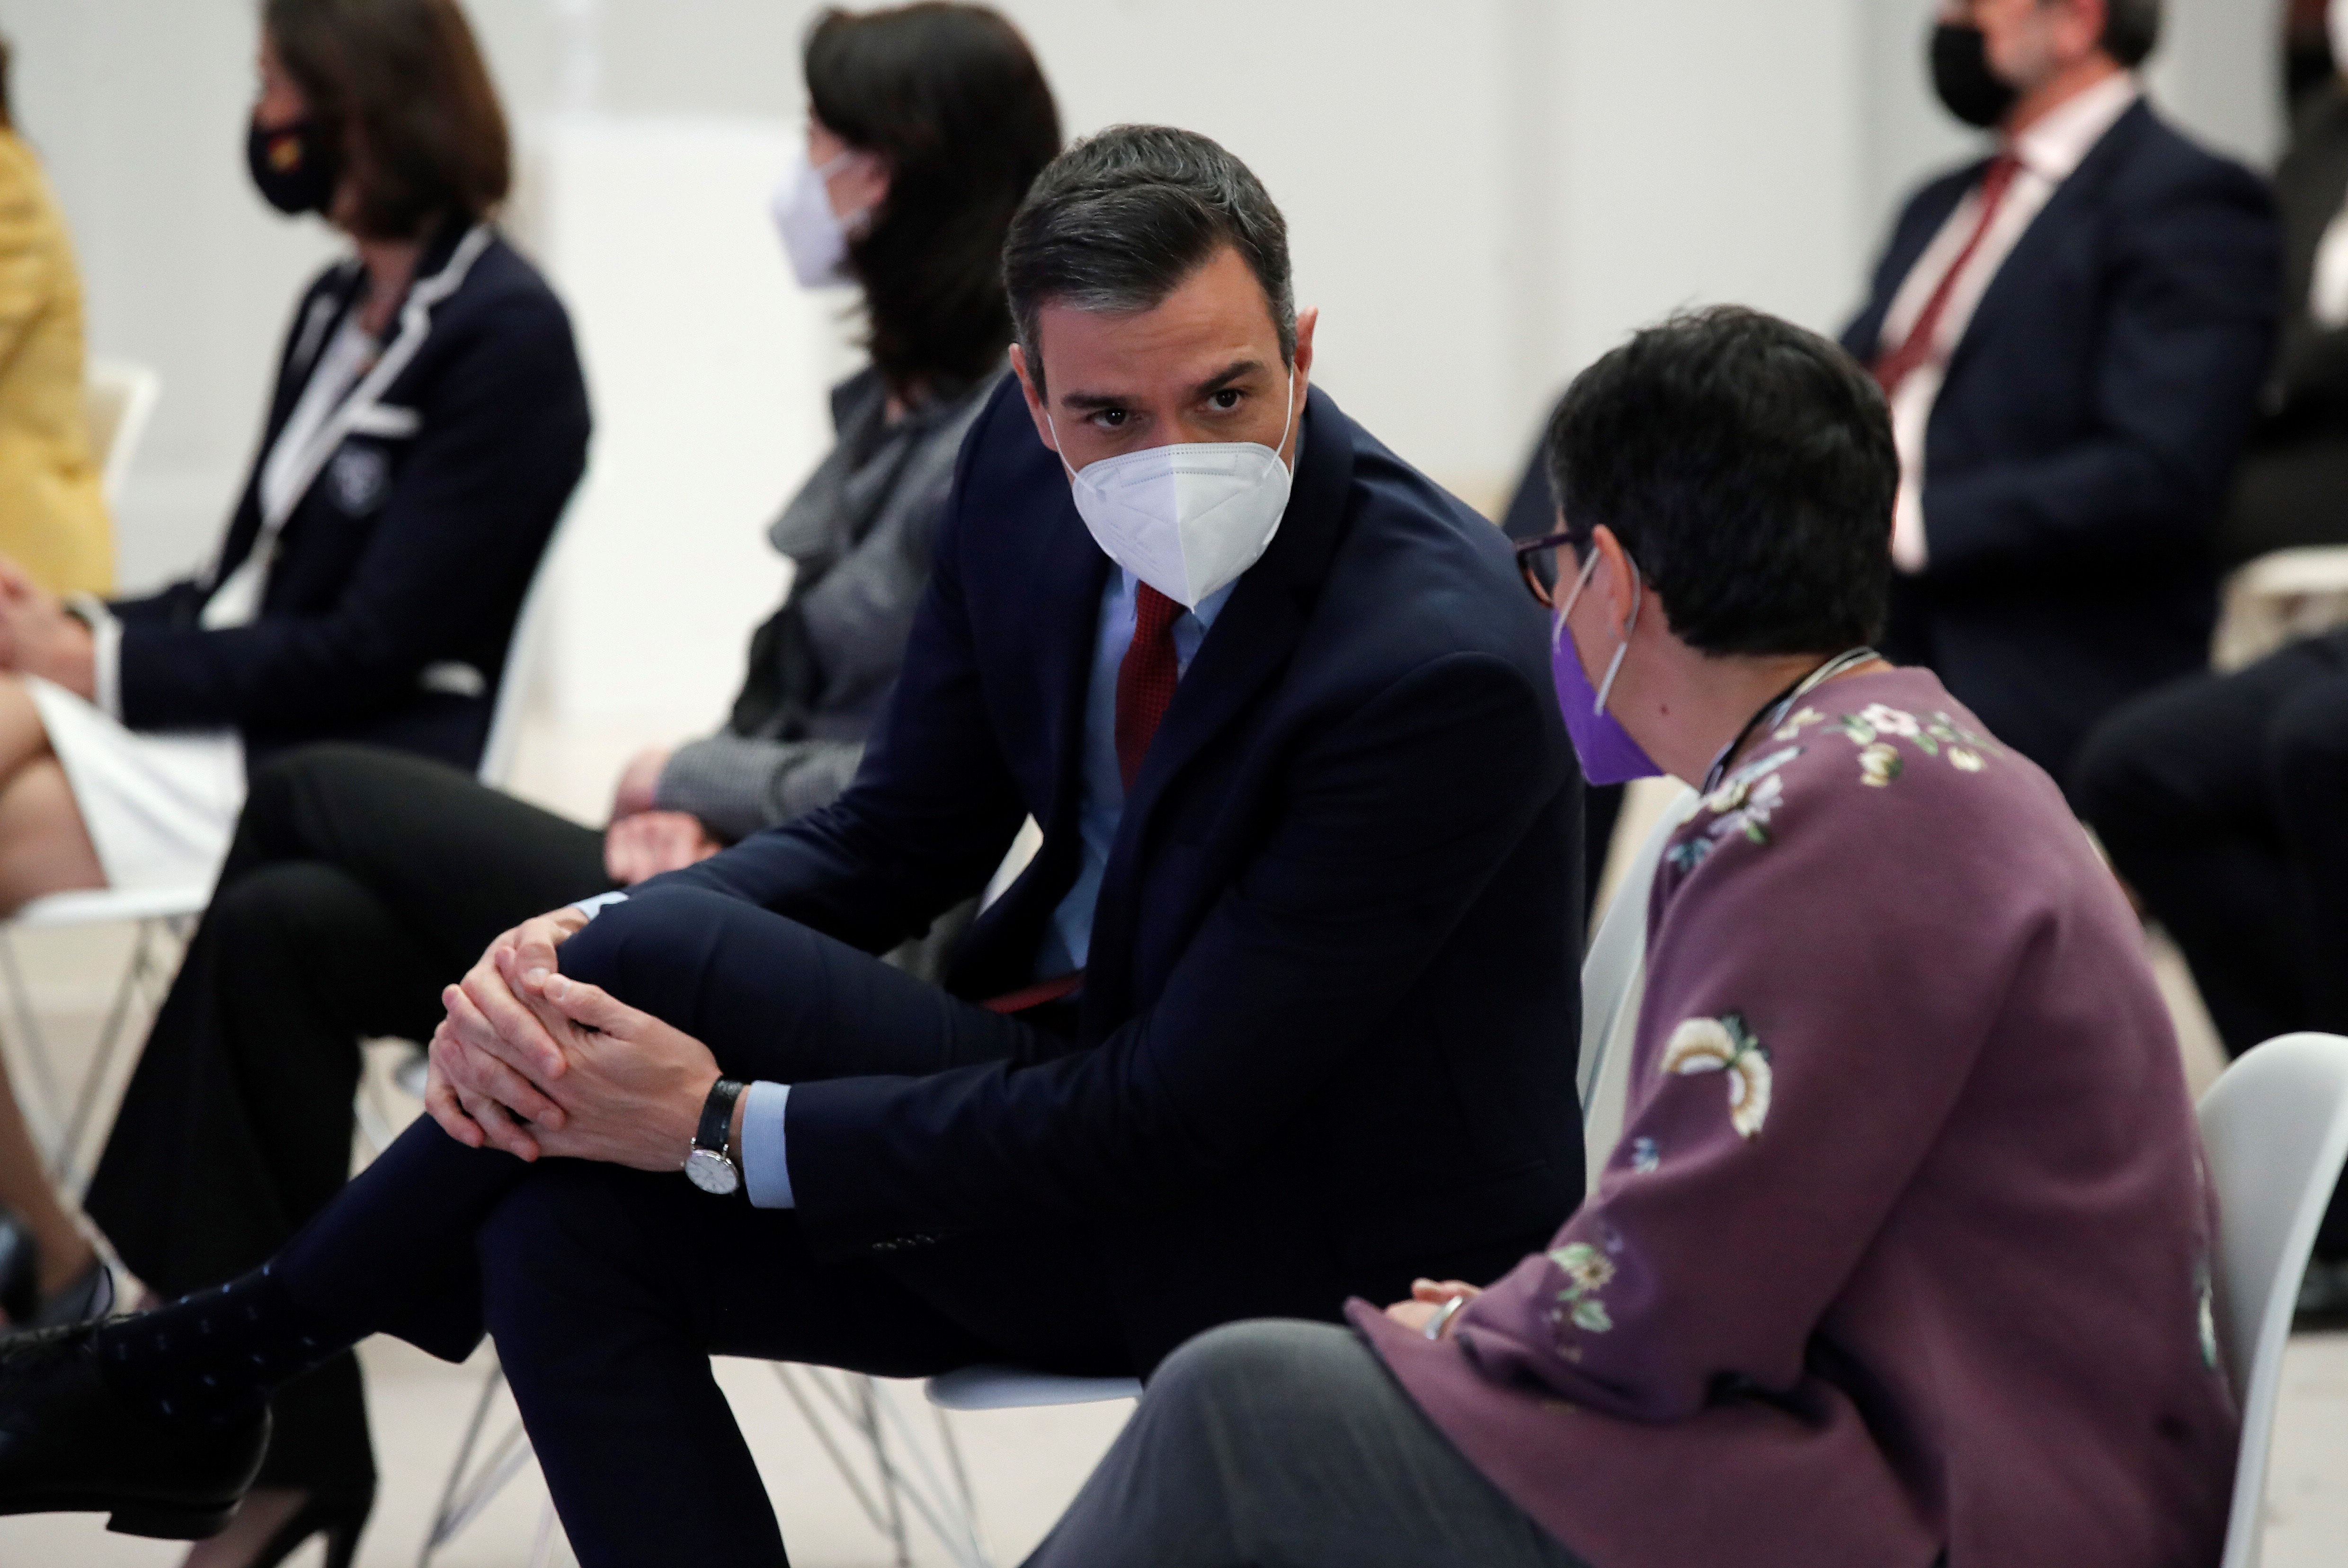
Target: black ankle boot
69 1445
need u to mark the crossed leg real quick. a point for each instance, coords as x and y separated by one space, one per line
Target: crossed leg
44 846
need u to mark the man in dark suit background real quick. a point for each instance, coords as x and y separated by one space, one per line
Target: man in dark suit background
2072 333
1284 1010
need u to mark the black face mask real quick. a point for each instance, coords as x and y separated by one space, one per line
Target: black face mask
1960 75
292 166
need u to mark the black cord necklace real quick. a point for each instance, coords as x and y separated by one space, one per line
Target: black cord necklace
1772 713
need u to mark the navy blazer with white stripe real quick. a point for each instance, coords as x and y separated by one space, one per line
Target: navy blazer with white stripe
398 575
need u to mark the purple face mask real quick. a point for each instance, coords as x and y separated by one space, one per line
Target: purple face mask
1608 755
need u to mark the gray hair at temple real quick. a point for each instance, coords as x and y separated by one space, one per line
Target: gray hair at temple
1117 222
2131 28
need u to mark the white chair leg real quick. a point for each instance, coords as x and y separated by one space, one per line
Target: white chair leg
33 1045
867 1410
139 987
462 1499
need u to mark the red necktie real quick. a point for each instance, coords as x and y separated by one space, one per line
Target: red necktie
1894 366
1146 680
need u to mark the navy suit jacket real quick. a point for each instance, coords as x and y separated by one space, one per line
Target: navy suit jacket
413 546
1328 1031
2080 449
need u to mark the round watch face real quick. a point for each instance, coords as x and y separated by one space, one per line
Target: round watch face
712 1172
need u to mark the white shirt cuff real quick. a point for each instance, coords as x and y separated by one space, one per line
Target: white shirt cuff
105 650
1907 551
592 907
766 1173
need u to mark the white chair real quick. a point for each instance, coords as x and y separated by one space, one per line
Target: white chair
1613 983
118 398
2275 1130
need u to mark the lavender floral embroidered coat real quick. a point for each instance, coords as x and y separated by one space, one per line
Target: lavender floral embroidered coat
1906 1246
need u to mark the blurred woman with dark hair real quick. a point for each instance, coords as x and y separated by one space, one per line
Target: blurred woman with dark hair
361 880
429 423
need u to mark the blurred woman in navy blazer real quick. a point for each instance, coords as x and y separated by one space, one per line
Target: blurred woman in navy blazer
428 424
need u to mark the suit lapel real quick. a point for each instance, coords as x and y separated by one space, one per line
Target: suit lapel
2033 252
1245 650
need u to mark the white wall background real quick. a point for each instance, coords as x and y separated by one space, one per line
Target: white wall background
1483 194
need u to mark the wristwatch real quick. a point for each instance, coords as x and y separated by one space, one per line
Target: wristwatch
710 1166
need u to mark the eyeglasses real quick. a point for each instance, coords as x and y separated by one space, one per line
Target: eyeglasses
1537 564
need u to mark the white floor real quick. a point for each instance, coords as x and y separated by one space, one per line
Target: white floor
1024 1466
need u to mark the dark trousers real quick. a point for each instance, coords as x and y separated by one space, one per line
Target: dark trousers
360 882
608 1289
2224 801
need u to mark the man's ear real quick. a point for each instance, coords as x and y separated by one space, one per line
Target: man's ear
1306 320
1034 398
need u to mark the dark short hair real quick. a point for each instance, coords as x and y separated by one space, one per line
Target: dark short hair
1121 219
2131 28
400 89
1747 468
950 97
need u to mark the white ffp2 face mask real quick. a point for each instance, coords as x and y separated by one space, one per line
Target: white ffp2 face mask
1188 518
814 238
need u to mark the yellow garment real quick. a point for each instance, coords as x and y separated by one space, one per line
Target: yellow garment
52 519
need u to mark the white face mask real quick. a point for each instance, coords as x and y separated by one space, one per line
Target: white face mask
814 238
1186 518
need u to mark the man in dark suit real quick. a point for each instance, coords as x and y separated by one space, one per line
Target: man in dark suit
2072 333
1284 1010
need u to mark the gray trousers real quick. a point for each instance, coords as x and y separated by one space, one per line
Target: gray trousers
1278 1444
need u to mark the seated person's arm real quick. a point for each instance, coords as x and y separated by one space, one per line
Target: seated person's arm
932 808
739 784
2186 343
1810 1026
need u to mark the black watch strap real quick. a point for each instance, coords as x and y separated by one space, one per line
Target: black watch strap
717 1116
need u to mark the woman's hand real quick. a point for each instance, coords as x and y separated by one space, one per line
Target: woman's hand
650 842
37 637
639 781
1427 1298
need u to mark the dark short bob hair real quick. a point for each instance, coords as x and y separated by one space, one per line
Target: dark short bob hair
1122 218
399 87
952 99
1747 468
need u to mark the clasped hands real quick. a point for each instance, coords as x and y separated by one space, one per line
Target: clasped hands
533 1062
39 637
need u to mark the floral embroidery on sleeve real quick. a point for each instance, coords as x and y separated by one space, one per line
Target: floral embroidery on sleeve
1724 1044
1645 1155
1587 1271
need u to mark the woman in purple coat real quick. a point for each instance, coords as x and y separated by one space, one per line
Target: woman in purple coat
1904 1256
